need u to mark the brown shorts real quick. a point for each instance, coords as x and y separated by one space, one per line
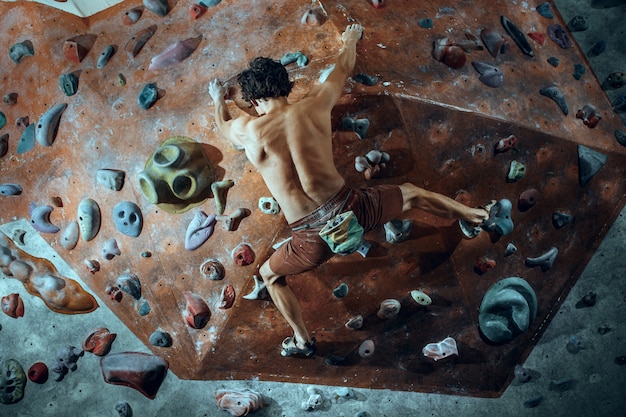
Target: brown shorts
306 250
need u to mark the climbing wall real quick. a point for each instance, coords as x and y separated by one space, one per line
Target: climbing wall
439 125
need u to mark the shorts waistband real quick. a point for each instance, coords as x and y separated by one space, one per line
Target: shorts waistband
331 206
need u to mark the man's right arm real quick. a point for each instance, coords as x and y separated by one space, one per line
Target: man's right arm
223 118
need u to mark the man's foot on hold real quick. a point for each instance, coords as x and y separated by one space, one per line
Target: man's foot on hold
291 349
398 230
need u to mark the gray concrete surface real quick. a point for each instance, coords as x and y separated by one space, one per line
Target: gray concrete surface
599 388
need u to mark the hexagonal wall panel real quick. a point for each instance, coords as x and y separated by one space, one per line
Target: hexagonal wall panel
439 125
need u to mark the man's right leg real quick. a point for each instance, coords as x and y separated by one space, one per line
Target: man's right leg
287 303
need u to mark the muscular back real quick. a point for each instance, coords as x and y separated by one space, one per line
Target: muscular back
291 146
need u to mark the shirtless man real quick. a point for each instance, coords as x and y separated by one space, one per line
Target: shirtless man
290 144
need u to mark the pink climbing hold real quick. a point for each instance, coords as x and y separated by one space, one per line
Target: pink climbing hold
175 53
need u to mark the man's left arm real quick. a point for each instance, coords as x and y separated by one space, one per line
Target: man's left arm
223 118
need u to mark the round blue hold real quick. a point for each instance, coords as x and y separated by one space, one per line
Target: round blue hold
426 23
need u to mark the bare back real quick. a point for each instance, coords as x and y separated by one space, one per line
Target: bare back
292 149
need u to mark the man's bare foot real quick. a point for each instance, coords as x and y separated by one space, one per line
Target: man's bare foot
475 216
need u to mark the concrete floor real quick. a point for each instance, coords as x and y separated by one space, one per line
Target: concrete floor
598 390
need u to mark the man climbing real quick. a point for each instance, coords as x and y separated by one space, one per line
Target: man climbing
290 144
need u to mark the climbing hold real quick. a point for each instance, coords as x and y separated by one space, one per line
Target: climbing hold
9 99
355 323
12 381
111 178
213 269
518 36
562 384
130 284
88 218
67 359
500 218
128 218
297 57
588 300
484 264
366 349
56 201
554 94
137 42
105 55
389 308
440 350
68 84
259 291
490 75
538 37
4 144
341 291
159 7
533 401
99 341
268 205
544 261
559 35
220 190
544 10
616 79
578 23
196 11
199 230
421 297
48 124
121 80
74 50
365 79
243 254
175 53
620 136
110 249
123 409
507 309
12 305
144 308
554 61
446 51
132 16
359 126
210 3
589 116
314 16
10 189
92 265
148 96
589 163
493 40
505 144
596 49
40 218
38 373
574 344
227 297
20 50
579 71
238 403
528 199
69 239
196 312
517 170
560 219
140 371
378 3
426 23
619 104
522 375
161 339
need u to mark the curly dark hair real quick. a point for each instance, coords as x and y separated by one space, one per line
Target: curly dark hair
265 78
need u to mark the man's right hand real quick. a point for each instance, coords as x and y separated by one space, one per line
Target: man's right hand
352 33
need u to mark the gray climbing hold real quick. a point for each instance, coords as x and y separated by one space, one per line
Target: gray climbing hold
341 291
508 308
560 219
105 56
544 261
48 124
161 339
500 218
10 189
620 136
589 163
111 178
128 218
20 50
68 84
555 95
148 96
